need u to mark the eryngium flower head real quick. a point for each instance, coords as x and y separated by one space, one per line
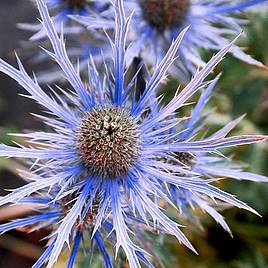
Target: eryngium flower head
157 22
61 10
136 133
81 42
208 166
164 14
47 213
108 142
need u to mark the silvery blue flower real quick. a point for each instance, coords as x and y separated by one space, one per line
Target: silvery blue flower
104 145
81 42
48 213
206 165
156 23
61 10
79 49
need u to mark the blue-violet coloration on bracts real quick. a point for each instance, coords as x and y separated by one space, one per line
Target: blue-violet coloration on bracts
156 23
109 157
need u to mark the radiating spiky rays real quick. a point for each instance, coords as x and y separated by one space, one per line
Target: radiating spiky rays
61 9
155 25
206 165
60 163
49 213
81 43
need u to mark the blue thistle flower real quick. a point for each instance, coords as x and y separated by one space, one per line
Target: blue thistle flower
81 44
206 165
156 23
104 145
61 10
48 213
64 8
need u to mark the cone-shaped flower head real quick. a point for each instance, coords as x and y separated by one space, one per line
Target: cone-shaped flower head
105 146
165 14
157 22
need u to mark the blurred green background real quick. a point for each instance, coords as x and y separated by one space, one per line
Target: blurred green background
242 89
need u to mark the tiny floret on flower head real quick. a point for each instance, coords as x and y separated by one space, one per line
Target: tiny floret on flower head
75 3
84 223
163 14
184 158
67 7
108 141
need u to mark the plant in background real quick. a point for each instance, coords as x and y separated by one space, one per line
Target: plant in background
61 10
50 211
157 22
81 43
109 158
204 164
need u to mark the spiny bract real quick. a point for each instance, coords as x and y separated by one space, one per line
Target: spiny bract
156 23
